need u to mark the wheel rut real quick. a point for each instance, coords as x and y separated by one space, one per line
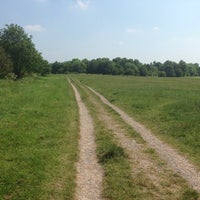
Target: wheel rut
174 160
164 182
89 172
155 177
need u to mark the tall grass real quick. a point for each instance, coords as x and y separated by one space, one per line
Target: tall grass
169 106
38 139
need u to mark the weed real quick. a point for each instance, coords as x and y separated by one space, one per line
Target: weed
110 151
190 194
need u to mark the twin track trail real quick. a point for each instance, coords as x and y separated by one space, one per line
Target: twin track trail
89 172
163 183
175 161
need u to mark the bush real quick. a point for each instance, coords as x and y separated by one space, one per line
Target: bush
11 76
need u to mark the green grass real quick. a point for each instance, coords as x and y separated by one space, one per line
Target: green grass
120 182
169 106
38 139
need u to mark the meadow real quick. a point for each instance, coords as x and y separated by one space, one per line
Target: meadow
124 177
38 138
170 107
39 130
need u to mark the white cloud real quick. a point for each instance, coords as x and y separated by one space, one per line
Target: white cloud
83 5
156 28
34 28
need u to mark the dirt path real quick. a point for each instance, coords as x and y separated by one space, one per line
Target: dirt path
89 172
155 176
176 162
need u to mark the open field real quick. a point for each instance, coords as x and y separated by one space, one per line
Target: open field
38 139
168 106
40 129
132 169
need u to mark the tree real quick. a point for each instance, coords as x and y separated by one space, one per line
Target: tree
162 74
169 68
193 69
92 66
143 70
6 64
78 66
178 71
184 68
130 69
152 69
57 68
20 47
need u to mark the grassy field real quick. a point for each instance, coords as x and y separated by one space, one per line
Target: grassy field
38 139
124 179
169 106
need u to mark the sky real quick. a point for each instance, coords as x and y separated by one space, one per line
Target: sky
148 30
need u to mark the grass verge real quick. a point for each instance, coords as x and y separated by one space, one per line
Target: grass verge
38 139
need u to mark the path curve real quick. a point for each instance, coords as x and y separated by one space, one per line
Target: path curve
175 161
89 172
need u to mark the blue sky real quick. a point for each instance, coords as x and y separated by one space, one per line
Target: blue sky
147 30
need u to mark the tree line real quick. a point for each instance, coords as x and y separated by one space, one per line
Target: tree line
124 66
18 55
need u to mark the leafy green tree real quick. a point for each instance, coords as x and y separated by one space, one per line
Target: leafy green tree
184 68
193 69
66 67
143 70
86 62
162 74
130 69
92 66
57 68
6 64
152 69
103 66
44 68
118 66
169 68
178 71
78 66
20 48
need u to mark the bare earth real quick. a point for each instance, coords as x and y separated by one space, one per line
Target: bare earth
89 172
176 162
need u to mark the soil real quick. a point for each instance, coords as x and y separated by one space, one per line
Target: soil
89 172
